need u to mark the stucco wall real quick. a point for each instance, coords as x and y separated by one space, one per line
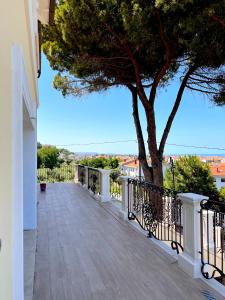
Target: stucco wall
219 183
19 27
14 30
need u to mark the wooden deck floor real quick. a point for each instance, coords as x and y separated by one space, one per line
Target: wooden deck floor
85 253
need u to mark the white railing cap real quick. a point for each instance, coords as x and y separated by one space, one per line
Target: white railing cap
105 171
192 198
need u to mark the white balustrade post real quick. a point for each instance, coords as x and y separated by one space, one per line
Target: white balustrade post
207 217
76 179
124 206
105 185
189 261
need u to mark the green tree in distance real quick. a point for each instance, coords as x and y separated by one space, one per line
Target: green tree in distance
100 162
142 45
39 145
222 193
113 163
65 154
193 176
48 157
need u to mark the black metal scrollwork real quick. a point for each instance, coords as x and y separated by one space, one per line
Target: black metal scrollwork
157 210
94 178
215 272
150 217
81 174
176 246
212 219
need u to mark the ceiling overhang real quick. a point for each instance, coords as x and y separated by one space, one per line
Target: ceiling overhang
46 10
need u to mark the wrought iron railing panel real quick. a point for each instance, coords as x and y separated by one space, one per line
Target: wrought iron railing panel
157 210
94 180
116 188
212 219
81 174
61 174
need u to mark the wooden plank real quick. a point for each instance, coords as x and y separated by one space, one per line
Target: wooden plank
84 252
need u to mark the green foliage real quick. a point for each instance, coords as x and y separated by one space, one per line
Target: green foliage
39 145
93 41
193 176
100 162
116 189
142 45
115 184
81 44
48 157
65 173
114 175
113 163
42 177
222 193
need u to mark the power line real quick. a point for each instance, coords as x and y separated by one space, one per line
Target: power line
97 143
196 147
126 141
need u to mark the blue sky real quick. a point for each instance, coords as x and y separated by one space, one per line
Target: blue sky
107 116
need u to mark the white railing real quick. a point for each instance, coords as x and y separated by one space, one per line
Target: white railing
190 259
96 181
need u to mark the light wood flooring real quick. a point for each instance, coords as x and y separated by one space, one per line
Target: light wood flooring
85 253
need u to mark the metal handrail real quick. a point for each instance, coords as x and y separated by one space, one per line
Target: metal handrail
157 210
212 226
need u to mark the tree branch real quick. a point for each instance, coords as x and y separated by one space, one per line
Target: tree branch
174 110
168 51
200 90
141 144
126 48
140 88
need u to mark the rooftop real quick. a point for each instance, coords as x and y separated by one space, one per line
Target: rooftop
85 251
218 169
210 159
132 163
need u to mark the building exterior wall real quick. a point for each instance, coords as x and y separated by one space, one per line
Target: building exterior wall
130 171
134 171
18 33
219 182
29 176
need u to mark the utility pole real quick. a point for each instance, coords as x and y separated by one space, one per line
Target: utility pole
172 171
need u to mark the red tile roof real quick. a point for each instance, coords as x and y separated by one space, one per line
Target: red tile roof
132 164
218 170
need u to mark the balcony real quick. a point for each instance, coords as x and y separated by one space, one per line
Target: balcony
86 250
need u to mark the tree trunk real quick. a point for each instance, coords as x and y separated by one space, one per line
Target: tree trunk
147 170
155 172
156 158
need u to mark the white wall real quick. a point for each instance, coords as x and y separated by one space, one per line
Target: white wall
17 176
130 171
29 173
16 60
218 182
134 172
11 176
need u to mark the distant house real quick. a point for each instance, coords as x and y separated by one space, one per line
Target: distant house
212 159
218 172
133 168
125 158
